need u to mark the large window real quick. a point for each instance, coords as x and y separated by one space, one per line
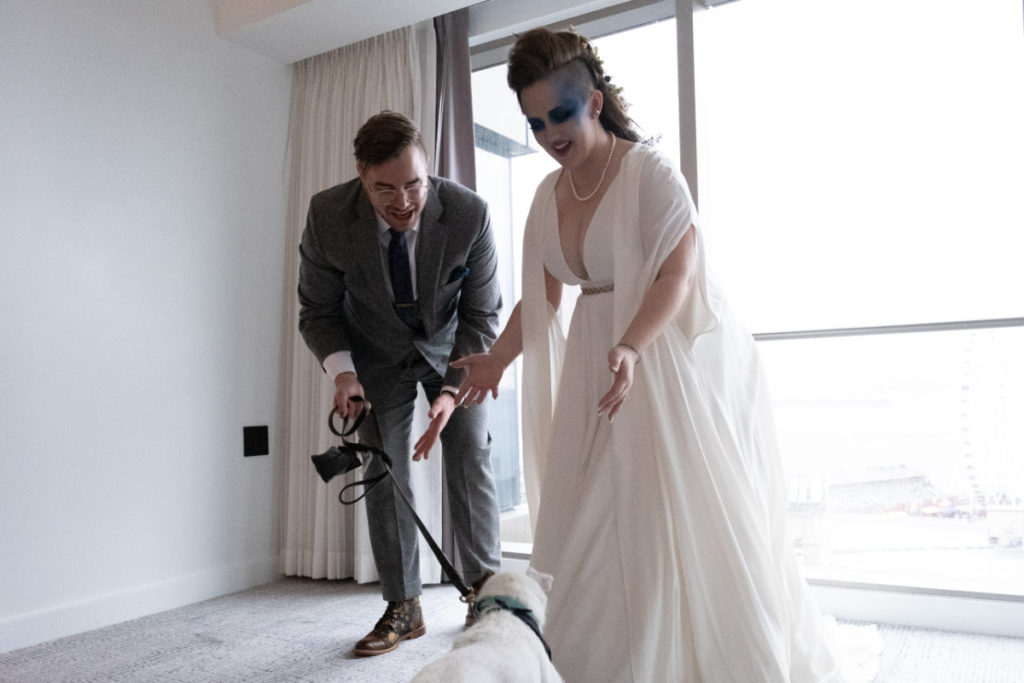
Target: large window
862 169
859 182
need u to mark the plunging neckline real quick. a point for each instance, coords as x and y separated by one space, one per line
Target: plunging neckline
590 223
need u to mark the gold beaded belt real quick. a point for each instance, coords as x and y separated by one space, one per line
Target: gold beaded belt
597 290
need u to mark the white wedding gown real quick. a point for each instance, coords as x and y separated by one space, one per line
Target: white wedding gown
664 530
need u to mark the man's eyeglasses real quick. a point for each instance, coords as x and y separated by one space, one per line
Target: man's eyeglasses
412 193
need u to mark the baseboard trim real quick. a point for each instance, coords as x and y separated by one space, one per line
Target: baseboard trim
514 564
57 622
935 610
962 612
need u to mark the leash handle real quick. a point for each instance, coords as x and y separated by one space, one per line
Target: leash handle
345 429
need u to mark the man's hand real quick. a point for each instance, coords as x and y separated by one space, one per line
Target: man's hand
440 410
346 387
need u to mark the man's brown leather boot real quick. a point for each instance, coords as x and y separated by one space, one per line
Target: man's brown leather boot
402 620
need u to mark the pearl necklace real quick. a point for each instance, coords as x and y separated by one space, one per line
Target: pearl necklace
604 170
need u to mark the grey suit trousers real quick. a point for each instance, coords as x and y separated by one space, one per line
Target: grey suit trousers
472 496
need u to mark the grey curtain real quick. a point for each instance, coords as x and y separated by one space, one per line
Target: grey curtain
454 149
454 144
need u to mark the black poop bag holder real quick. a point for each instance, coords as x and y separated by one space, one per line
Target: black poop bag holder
347 456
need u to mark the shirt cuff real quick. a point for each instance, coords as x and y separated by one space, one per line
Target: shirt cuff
337 363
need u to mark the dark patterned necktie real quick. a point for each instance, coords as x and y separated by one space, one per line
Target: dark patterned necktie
401 280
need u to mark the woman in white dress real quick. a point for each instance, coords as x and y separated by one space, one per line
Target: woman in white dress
651 457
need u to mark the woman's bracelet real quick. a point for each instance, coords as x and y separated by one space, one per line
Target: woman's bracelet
635 352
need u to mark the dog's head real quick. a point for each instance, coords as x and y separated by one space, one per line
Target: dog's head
531 589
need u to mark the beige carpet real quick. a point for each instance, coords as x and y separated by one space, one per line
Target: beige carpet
302 630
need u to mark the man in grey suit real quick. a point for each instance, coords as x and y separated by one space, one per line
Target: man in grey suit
398 275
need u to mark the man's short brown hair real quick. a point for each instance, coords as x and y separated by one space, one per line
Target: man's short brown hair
384 137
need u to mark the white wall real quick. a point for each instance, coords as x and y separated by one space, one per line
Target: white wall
142 208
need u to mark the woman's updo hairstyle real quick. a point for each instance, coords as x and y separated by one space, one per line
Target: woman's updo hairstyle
538 53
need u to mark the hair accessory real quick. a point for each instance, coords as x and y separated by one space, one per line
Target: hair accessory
600 181
607 79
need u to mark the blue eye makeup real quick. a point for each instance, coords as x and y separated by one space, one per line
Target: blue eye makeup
563 112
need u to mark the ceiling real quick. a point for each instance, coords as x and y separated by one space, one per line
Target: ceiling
291 30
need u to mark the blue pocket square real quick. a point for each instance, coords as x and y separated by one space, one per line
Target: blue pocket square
458 273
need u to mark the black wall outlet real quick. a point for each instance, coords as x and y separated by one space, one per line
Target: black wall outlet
255 441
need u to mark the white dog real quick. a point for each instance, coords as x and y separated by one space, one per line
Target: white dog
500 647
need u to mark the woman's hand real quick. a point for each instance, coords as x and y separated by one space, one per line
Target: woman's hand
662 301
483 374
621 361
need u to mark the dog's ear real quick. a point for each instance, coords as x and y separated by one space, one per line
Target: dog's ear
479 583
542 579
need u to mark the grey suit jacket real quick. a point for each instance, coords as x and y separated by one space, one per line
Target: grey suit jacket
345 296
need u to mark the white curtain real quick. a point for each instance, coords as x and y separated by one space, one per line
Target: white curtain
332 95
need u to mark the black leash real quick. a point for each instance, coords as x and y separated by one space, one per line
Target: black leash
345 457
